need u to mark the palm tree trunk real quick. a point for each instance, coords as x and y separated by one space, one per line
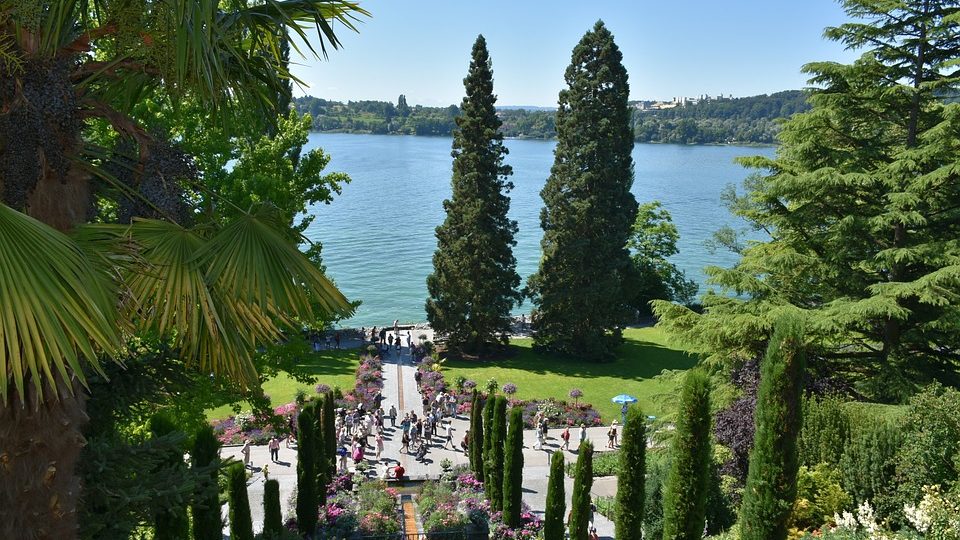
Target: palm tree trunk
40 444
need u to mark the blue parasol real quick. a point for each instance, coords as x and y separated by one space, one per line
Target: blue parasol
624 398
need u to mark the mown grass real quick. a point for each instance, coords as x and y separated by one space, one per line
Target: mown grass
330 367
636 371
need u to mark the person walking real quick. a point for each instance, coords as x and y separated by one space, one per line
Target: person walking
342 454
613 434
583 434
393 415
246 454
566 438
336 338
399 345
292 430
405 442
449 436
274 447
379 446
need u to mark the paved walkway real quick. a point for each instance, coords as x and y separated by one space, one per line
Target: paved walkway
400 389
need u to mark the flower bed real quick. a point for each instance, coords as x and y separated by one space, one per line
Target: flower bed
559 413
372 510
259 429
446 509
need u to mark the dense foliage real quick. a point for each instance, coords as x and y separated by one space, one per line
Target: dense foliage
747 120
631 479
652 241
476 435
860 206
474 282
494 472
205 505
578 292
307 497
272 518
772 477
685 495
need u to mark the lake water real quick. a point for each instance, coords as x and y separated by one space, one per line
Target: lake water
378 236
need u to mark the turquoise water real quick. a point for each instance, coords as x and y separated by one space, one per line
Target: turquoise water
378 236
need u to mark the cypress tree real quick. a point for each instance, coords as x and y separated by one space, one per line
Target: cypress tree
580 502
241 523
476 436
330 434
170 522
494 466
556 510
488 407
513 470
307 503
320 450
685 496
205 507
272 518
474 281
579 290
772 477
631 487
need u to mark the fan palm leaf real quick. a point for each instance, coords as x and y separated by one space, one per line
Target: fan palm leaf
58 309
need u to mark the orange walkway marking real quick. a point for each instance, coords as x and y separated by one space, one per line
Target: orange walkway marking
409 520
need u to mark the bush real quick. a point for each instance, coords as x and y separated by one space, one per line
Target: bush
868 466
604 464
931 443
825 432
819 497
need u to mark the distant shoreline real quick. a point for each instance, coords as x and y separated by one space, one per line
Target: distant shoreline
363 132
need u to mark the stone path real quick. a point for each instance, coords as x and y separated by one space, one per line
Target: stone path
400 389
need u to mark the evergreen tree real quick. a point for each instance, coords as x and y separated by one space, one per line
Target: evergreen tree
494 468
685 495
513 470
320 451
476 436
307 499
241 523
653 240
488 407
474 281
868 466
553 528
205 507
579 289
330 435
860 206
825 432
772 477
402 108
272 517
171 522
631 487
580 502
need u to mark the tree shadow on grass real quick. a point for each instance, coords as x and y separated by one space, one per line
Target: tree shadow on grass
636 360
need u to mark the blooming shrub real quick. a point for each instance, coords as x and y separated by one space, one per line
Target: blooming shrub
530 526
322 388
509 389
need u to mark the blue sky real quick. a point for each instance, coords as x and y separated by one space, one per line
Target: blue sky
421 48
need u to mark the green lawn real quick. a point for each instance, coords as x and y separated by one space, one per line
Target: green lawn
333 368
642 358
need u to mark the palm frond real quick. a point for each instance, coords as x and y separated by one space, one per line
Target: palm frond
57 308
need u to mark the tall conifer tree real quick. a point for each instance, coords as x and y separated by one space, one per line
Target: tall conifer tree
241 522
494 468
580 500
272 517
307 502
513 469
476 436
205 507
772 479
685 496
488 407
474 281
860 202
588 211
631 481
556 510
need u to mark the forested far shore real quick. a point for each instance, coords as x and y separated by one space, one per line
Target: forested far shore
746 120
